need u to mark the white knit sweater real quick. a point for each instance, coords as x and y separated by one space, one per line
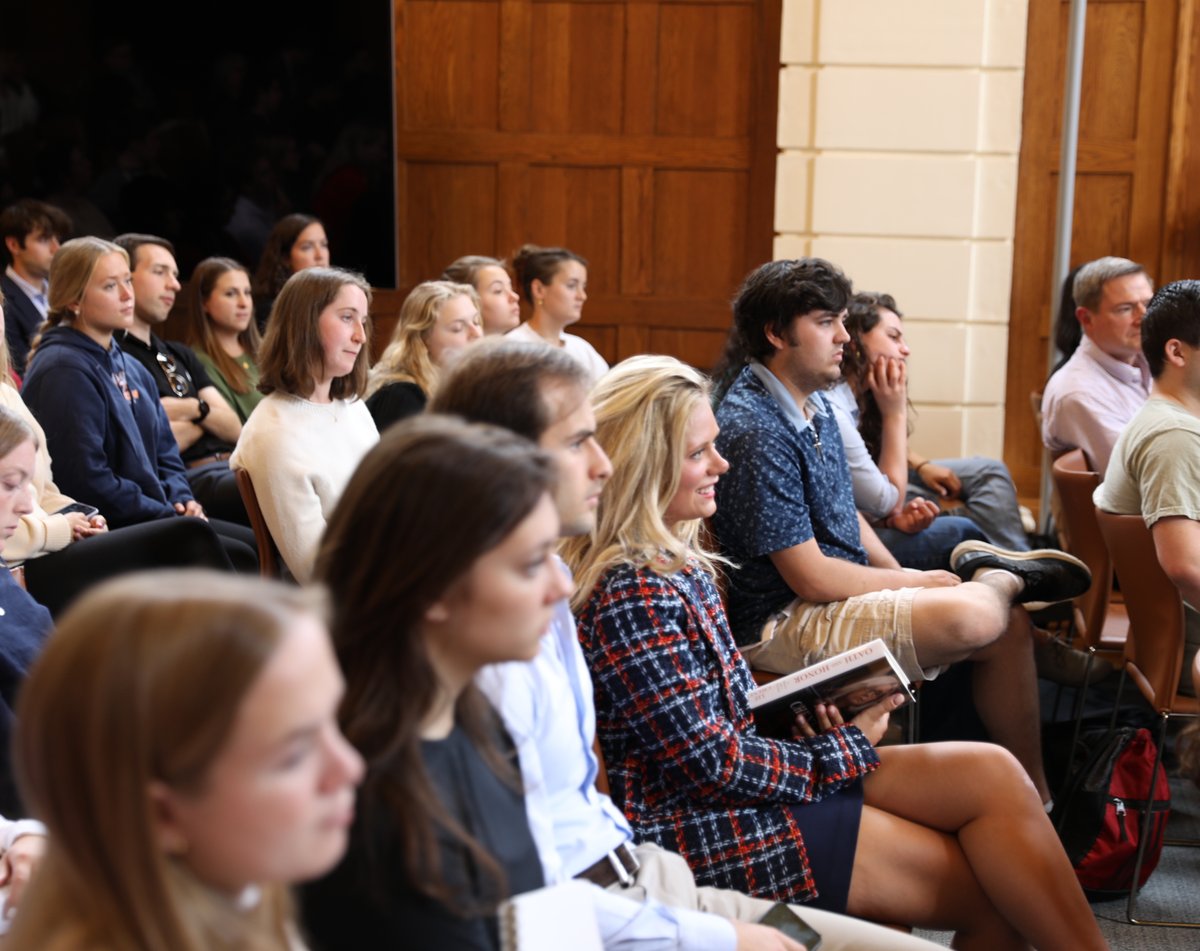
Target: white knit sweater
300 455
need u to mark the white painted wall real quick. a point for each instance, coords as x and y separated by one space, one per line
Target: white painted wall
899 127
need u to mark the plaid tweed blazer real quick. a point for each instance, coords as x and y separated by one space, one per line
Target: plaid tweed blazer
684 760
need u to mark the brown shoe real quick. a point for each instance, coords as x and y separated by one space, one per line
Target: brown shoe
1060 663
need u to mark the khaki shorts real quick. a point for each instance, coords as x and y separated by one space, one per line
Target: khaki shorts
804 633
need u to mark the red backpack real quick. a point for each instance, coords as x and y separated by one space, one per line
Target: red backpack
1099 818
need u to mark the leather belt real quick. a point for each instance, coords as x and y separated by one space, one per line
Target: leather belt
207 460
619 865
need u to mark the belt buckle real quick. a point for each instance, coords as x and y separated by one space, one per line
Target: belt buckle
617 859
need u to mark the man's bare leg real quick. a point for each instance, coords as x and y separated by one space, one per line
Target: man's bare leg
976 621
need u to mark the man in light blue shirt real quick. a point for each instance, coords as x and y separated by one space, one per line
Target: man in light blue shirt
652 900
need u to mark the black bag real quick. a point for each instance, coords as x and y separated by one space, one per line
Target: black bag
1099 818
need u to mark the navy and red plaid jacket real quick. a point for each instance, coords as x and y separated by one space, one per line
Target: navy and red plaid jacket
684 760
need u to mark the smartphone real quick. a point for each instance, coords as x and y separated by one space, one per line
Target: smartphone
782 918
86 510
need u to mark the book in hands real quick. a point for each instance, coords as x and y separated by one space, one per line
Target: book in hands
851 681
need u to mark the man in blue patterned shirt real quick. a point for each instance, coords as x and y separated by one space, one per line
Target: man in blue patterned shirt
813 579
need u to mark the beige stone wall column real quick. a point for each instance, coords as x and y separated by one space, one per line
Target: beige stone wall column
899 126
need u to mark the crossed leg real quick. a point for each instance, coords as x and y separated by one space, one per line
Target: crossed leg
953 836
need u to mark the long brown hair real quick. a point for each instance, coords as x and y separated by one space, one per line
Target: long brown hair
201 334
291 350
862 316
141 683
432 497
275 267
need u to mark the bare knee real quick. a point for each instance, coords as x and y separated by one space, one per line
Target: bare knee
976 617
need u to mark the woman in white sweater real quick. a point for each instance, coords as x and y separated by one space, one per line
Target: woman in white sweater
306 438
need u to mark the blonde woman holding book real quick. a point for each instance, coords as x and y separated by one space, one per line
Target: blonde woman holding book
945 836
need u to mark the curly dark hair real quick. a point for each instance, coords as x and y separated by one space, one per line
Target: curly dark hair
862 316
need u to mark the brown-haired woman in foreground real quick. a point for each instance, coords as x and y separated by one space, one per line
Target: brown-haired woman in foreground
305 439
439 559
178 737
941 835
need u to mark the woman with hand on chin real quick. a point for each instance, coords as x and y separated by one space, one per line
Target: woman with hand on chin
179 737
824 817
306 437
222 331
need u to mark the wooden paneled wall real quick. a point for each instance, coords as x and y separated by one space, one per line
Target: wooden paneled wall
639 134
1137 190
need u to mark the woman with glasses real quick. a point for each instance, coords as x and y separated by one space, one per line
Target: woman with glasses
104 424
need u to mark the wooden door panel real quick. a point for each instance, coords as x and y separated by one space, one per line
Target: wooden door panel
704 69
638 134
699 227
448 71
1125 120
451 211
574 87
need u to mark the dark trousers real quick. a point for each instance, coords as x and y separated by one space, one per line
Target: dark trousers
57 578
215 487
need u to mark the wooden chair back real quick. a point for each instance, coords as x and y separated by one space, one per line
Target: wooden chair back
1154 648
1096 618
268 557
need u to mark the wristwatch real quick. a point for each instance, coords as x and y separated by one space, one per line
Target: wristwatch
203 411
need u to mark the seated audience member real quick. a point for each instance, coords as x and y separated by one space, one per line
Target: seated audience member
874 368
107 432
1154 470
296 242
823 817
308 435
872 400
554 281
439 559
31 231
178 736
499 305
546 704
437 320
1087 403
813 579
1067 332
222 331
205 427
24 624
45 542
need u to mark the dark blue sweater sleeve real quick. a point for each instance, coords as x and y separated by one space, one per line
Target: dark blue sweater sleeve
74 415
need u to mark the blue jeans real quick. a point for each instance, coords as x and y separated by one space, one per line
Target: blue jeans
988 495
930 548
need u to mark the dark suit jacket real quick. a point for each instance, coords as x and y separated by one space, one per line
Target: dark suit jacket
21 321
